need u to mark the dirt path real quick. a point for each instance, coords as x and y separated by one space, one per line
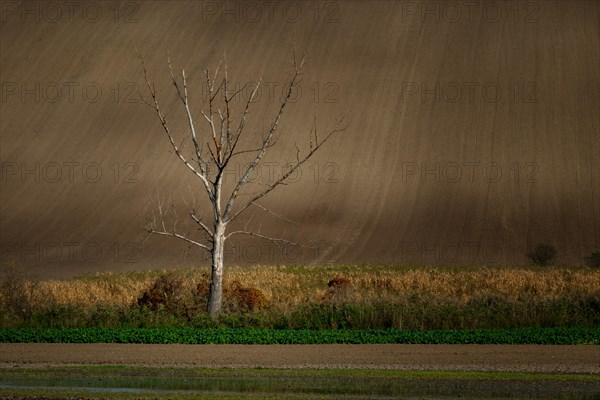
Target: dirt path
551 359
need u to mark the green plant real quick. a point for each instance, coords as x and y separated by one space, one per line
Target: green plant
543 254
569 335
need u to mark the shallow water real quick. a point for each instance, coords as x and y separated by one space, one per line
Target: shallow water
336 387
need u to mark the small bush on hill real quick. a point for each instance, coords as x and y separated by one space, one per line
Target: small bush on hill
593 260
542 255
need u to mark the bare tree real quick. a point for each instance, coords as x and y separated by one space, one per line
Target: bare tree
213 150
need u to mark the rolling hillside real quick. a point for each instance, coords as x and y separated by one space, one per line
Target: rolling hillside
474 134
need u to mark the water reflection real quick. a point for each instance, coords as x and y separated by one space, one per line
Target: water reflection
335 387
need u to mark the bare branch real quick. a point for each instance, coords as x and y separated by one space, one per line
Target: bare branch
274 214
266 141
238 133
339 126
198 220
185 100
163 121
157 225
202 224
262 237
252 150
178 236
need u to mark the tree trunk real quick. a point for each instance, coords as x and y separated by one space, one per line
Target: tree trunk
215 295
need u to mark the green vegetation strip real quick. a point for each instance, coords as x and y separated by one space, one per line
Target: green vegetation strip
574 335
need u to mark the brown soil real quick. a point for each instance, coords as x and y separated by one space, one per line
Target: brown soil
522 358
453 175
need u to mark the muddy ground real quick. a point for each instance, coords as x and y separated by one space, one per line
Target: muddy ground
521 358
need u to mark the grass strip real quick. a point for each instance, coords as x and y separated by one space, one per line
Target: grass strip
557 336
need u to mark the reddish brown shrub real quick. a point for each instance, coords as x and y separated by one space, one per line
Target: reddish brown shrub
249 299
244 299
340 289
339 282
236 297
168 291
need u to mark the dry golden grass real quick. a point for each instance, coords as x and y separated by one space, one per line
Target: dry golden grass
287 287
